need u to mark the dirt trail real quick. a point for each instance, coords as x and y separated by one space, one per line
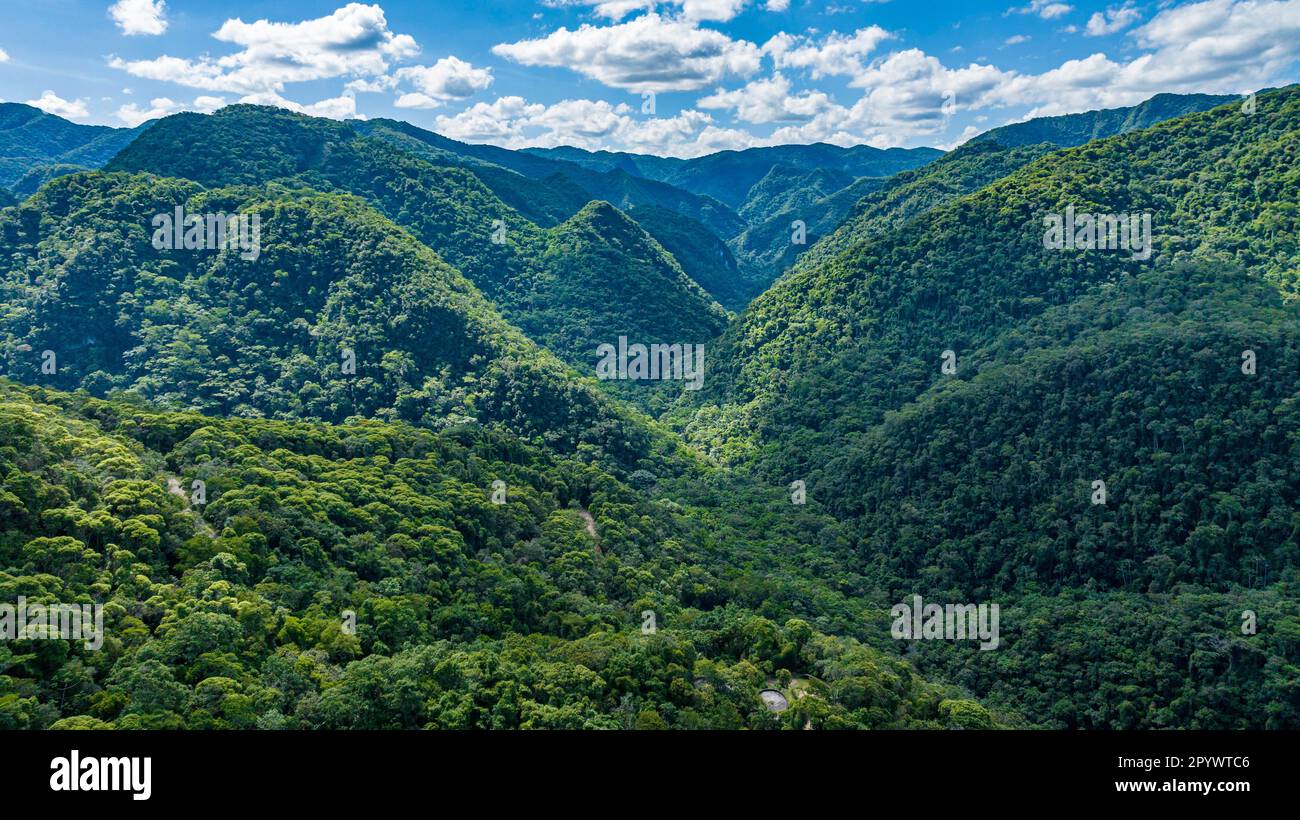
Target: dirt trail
591 527
174 487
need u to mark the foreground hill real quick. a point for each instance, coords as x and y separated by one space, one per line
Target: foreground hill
450 210
360 577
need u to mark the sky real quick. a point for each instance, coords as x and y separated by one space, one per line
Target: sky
675 78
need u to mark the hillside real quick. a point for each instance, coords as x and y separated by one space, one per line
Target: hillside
449 209
31 139
1071 367
233 336
359 577
870 207
1076 129
907 291
767 248
703 256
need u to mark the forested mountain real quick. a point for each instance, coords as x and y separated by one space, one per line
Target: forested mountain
530 272
1106 446
703 256
1069 367
768 247
548 179
30 140
728 176
872 205
268 336
1069 130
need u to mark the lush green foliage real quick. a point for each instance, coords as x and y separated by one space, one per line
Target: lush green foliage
31 139
1073 367
231 336
372 493
531 273
232 614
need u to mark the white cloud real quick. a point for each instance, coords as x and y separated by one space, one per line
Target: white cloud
52 103
1214 46
354 41
770 100
516 123
1046 9
778 5
4 57
649 53
838 54
449 78
1113 19
343 107
415 100
717 10
1016 39
139 16
132 115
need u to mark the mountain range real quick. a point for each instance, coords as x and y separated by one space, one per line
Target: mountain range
368 477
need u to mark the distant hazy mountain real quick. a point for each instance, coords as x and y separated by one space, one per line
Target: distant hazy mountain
551 180
728 176
31 139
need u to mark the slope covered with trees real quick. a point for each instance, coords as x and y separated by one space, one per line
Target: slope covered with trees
448 209
30 139
1171 381
359 576
270 336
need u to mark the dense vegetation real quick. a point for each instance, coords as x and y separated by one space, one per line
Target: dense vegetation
498 524
233 613
267 337
626 282
31 139
1071 367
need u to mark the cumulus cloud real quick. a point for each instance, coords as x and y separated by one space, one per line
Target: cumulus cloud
770 100
837 54
132 115
1113 19
4 57
139 16
52 103
448 79
650 53
516 123
718 10
354 41
1046 9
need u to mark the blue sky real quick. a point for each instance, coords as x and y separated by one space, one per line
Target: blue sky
681 78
